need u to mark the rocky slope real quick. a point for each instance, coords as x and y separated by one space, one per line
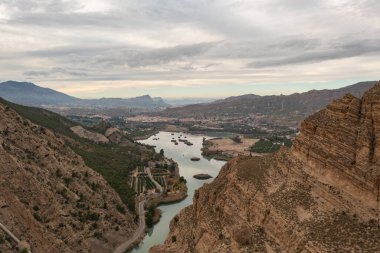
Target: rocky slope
322 195
49 198
86 134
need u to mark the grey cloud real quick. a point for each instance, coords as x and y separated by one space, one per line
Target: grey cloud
344 51
159 40
54 71
132 56
166 55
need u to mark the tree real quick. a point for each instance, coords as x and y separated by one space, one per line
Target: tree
162 152
236 139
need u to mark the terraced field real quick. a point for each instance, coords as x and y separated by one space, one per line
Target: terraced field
142 182
161 180
149 184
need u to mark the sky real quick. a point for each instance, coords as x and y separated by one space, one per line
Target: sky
189 48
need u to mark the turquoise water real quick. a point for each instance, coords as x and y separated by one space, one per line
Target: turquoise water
180 153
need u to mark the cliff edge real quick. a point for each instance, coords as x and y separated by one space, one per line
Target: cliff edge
322 195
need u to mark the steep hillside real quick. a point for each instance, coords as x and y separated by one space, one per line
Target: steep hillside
322 195
50 198
281 110
112 160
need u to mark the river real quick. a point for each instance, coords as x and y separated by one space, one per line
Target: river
180 153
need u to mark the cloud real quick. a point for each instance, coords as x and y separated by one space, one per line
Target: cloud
191 42
352 49
54 72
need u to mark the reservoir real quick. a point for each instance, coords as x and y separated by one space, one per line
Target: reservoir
182 154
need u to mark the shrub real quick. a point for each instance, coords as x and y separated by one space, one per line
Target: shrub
120 208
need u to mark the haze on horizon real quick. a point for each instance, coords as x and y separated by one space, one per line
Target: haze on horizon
189 48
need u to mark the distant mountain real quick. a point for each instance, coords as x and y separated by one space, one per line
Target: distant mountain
145 101
283 109
188 101
29 94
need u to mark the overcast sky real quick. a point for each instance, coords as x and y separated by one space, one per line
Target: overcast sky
189 48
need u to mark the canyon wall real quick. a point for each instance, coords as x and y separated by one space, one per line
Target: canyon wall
322 195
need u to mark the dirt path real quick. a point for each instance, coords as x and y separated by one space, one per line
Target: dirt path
138 233
158 186
20 244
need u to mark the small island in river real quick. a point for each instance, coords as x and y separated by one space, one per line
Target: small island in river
202 176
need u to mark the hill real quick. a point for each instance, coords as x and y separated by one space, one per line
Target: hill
286 110
112 160
321 195
29 94
50 198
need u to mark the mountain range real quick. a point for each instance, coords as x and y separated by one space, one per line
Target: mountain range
276 109
29 94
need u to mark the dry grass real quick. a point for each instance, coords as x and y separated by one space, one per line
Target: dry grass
229 146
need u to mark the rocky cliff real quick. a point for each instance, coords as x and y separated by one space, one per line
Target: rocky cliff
49 198
322 195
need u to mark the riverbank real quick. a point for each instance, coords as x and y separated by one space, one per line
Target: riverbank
171 204
169 198
145 135
178 129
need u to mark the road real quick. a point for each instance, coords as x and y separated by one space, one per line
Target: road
9 233
158 186
138 233
20 244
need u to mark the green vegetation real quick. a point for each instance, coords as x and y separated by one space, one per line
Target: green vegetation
161 180
270 145
112 161
149 217
265 146
182 180
149 184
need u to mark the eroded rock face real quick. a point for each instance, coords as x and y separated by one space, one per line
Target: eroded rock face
49 198
319 196
341 145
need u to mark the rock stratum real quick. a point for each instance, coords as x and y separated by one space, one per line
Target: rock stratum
322 195
50 198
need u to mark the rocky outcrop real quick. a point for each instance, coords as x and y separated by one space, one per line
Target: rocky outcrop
86 134
114 135
322 195
341 145
49 198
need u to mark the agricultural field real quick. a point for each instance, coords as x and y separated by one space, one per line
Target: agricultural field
149 184
142 182
161 180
